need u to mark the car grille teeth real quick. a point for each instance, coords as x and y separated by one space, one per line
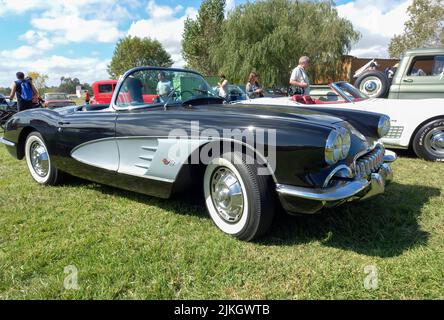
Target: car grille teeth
370 162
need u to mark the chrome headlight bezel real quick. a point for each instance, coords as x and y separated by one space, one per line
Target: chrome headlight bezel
337 146
383 126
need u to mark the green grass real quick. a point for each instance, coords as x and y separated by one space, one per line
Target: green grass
130 246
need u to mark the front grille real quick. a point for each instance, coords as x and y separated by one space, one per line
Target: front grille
395 132
370 162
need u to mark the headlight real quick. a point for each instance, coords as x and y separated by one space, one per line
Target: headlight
383 126
337 146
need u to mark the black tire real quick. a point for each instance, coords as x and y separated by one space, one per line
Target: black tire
41 170
366 81
257 193
428 141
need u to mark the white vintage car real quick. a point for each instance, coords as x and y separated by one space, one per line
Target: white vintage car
416 124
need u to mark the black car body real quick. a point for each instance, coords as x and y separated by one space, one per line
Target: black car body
129 145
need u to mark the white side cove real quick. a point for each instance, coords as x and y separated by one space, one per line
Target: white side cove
99 153
159 158
155 158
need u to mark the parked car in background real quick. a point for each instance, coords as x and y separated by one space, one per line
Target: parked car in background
420 75
311 159
102 91
235 93
57 100
416 124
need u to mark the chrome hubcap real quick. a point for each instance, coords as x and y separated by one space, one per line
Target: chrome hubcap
39 158
227 196
434 141
371 86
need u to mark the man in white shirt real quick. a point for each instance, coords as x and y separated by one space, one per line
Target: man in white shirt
299 77
163 86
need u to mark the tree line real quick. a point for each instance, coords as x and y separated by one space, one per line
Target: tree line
268 36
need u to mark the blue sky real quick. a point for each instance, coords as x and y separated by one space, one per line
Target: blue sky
77 37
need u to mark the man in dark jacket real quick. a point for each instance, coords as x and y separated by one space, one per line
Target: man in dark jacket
24 90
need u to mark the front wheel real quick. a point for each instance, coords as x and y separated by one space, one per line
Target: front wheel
240 202
428 142
39 162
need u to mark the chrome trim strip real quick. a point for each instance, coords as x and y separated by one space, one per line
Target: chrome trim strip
336 170
341 192
7 142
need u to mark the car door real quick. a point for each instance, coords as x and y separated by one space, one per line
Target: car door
424 78
85 144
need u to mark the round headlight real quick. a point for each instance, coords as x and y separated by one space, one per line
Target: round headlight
383 126
337 146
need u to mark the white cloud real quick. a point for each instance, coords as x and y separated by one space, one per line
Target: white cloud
378 21
166 25
75 29
86 69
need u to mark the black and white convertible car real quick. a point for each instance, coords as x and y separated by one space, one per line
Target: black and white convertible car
166 132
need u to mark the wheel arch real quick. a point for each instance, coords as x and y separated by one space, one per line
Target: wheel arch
421 125
188 171
22 140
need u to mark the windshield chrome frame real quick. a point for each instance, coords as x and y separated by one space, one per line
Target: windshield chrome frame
119 84
339 91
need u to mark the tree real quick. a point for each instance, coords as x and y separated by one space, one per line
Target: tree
133 52
38 79
424 28
69 85
200 35
269 37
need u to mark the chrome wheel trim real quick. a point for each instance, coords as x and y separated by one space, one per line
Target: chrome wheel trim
37 159
227 196
434 141
371 86
226 227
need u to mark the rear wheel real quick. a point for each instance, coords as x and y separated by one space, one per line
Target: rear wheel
428 142
374 84
39 162
240 202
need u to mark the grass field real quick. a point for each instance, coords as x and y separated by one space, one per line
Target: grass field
129 246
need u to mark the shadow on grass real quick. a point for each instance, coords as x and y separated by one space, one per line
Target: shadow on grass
383 226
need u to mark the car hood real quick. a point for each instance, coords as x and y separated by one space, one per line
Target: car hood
269 112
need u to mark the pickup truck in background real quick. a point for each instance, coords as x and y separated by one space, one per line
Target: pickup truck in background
103 91
419 75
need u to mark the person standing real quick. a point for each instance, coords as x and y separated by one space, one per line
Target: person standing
299 79
87 97
223 86
163 86
22 88
252 88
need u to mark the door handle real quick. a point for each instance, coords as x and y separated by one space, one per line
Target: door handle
61 123
408 80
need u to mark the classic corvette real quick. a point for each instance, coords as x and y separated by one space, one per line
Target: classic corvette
416 124
243 159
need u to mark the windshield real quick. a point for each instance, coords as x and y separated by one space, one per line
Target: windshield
56 96
348 91
153 86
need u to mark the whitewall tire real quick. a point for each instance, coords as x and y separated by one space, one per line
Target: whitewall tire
239 202
39 161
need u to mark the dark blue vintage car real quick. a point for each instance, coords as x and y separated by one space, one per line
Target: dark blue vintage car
165 132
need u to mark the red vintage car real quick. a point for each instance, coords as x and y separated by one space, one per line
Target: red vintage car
57 100
103 91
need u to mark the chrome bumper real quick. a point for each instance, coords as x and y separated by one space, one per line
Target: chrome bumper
7 142
343 191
